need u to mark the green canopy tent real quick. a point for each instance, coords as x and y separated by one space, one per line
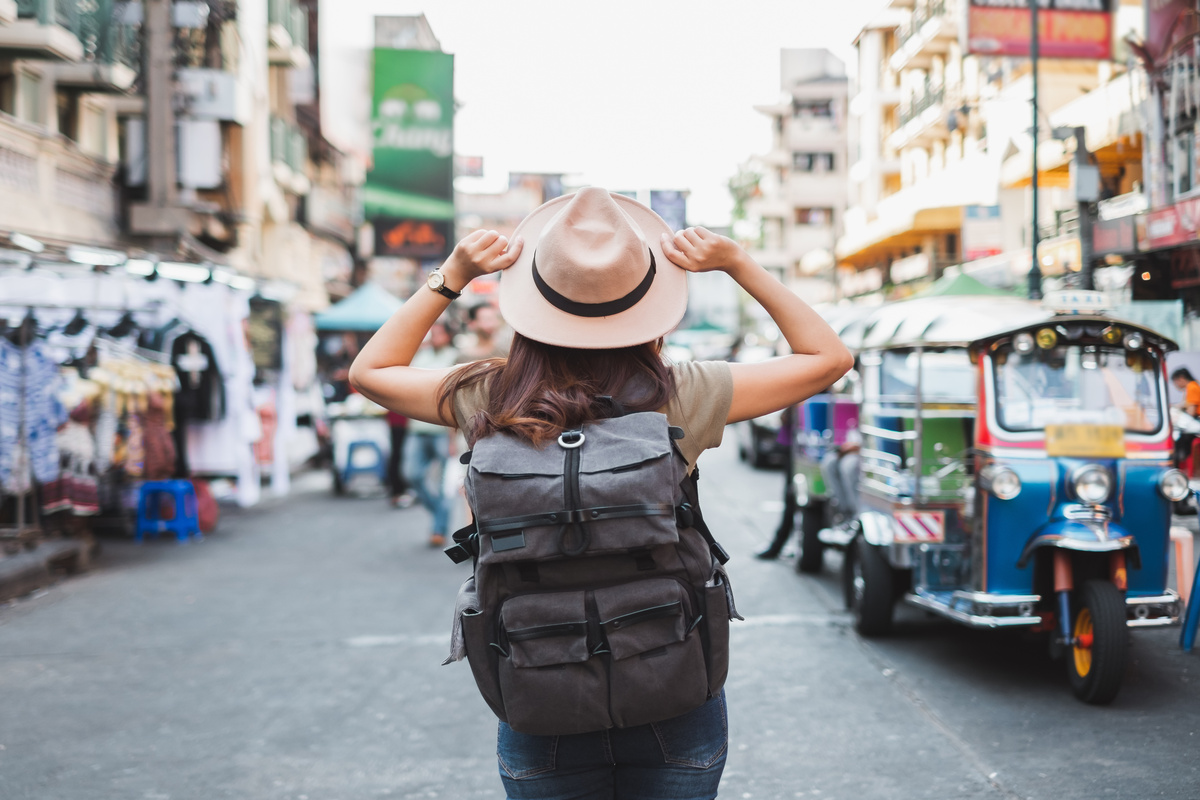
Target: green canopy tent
963 285
365 309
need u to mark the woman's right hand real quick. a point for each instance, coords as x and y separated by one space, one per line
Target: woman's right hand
480 253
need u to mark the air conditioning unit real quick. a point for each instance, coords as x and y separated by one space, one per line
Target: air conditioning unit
211 94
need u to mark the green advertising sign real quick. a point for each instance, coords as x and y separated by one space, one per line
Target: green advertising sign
409 194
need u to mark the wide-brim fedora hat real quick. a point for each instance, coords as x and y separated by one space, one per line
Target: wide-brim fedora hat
592 274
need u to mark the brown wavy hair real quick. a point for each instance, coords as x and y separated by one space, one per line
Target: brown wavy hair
540 390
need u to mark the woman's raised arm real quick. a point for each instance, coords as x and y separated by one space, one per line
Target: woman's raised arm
818 357
382 372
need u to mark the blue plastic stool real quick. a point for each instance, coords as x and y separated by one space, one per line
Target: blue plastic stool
378 468
185 523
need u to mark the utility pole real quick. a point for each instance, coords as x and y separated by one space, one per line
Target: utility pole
1085 180
1035 266
160 111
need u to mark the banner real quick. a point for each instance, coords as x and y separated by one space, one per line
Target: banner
1066 28
671 206
409 192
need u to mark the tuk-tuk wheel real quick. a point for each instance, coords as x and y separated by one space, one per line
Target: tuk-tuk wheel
812 550
1096 659
339 487
871 590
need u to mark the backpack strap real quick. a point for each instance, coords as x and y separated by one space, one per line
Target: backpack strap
688 515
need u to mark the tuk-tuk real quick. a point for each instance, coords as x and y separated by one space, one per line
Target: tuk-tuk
1016 473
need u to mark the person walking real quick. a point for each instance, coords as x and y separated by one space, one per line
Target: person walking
591 284
427 444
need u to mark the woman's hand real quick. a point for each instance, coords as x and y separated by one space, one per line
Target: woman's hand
480 253
701 250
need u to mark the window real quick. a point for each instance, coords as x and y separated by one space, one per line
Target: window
812 109
814 216
28 101
812 162
1184 162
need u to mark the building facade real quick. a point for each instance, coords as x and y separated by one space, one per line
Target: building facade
801 188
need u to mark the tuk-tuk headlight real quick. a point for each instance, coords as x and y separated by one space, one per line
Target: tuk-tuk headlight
1174 485
1092 484
1001 482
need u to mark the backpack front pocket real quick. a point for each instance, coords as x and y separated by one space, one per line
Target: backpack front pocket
656 656
550 682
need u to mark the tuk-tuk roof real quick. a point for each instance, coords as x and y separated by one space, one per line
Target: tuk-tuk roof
945 321
1059 319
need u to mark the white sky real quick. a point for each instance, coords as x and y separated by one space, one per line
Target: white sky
625 94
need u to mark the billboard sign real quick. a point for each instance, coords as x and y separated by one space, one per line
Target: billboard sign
1066 28
409 192
671 206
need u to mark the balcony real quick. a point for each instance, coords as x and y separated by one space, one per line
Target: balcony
929 32
287 34
43 29
921 120
50 187
289 156
111 52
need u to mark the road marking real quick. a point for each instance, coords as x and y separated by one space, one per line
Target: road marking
784 620
397 640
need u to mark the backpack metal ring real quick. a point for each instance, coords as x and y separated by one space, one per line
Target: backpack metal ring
570 445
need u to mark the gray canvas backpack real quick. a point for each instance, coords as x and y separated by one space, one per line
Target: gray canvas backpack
599 598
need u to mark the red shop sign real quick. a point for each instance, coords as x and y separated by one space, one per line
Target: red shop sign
1172 226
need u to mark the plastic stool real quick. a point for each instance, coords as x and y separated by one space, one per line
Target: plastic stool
378 469
184 523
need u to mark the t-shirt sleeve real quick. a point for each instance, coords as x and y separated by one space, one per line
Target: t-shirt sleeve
468 402
1191 395
700 405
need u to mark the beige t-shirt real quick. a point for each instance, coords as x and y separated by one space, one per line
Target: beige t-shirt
700 405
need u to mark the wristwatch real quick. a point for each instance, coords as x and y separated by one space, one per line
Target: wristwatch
437 282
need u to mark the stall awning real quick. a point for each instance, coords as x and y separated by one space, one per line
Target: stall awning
883 238
366 309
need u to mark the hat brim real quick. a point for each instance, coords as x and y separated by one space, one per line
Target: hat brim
655 315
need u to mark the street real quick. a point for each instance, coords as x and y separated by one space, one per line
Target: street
296 654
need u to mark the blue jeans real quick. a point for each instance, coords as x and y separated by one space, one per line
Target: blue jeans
678 759
421 452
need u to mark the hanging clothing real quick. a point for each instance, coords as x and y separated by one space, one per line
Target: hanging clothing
30 373
201 389
76 488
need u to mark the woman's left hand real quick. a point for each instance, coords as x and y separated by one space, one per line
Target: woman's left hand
482 253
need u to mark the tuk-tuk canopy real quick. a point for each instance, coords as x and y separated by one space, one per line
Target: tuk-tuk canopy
365 309
945 320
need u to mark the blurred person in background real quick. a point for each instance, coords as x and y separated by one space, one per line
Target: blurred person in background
485 326
427 446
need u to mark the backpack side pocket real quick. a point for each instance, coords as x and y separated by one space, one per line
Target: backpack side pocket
478 636
716 618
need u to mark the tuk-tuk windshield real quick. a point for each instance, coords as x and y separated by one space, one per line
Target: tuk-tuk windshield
1077 385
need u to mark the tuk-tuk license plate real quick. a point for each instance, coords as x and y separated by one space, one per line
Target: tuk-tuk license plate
1085 441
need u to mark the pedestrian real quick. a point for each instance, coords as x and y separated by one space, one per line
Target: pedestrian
1183 380
484 324
399 494
593 283
427 444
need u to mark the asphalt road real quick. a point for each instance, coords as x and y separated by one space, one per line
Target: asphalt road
296 654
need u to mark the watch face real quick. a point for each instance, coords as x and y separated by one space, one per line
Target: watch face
436 280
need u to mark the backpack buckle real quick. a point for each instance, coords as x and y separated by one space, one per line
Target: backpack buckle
569 440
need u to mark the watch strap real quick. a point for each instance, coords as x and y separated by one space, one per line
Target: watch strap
446 291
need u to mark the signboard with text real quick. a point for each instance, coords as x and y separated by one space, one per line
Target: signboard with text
409 192
1066 28
1170 226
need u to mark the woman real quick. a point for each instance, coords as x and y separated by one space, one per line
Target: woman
592 282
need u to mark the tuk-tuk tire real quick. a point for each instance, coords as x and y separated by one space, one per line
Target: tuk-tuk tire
339 486
812 549
873 608
1104 605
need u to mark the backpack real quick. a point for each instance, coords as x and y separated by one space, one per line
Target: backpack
599 598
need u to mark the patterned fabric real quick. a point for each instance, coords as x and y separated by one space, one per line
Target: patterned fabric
76 488
43 414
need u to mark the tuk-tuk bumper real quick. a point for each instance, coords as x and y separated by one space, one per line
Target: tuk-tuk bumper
987 610
1091 535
